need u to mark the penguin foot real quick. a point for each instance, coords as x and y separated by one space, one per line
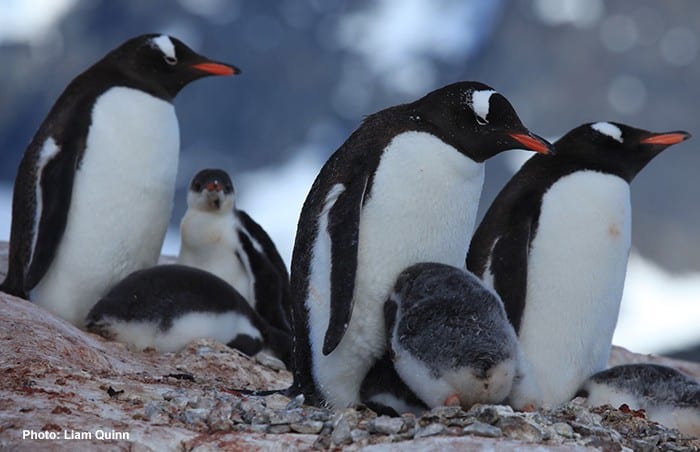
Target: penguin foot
452 400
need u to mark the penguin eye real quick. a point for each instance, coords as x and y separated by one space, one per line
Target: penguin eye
172 61
481 121
197 187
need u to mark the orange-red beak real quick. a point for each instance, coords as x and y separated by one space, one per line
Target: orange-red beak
533 143
666 139
213 68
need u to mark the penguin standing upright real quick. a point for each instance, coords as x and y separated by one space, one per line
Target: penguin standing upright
554 245
224 240
403 189
94 191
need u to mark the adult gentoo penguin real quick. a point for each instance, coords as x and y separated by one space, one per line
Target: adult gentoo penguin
167 306
403 189
94 190
554 244
224 240
450 340
665 394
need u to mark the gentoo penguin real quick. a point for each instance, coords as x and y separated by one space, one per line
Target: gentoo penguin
221 239
450 340
94 190
403 189
668 396
167 306
554 244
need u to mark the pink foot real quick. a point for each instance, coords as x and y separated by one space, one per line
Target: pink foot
452 400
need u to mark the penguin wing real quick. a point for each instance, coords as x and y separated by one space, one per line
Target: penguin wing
509 261
55 183
344 230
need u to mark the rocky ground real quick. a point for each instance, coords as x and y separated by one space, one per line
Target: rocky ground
62 384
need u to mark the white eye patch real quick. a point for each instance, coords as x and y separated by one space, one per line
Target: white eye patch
165 45
478 101
608 129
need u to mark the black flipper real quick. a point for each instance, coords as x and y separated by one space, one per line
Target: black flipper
509 266
344 230
56 191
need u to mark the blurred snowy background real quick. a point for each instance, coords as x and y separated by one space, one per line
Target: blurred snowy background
313 68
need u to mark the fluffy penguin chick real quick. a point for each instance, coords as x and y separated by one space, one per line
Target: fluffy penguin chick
403 189
167 306
668 396
554 245
94 191
449 337
223 240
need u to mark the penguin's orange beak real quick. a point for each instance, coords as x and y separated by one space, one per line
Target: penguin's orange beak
665 139
214 68
214 186
533 143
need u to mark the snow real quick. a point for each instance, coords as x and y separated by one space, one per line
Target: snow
31 20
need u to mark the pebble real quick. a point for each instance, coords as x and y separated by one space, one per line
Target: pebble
357 435
341 431
195 415
386 425
296 402
563 429
309 427
519 428
279 429
429 430
482 429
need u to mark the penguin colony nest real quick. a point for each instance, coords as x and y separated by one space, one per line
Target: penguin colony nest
56 378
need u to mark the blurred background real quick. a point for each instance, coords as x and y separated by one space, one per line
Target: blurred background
313 68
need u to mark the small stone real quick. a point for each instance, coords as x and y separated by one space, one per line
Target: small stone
563 429
195 415
519 428
278 429
386 425
341 432
358 435
296 402
490 414
153 409
309 427
482 429
429 430
204 350
286 417
446 412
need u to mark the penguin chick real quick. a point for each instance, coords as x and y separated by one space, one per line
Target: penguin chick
668 396
449 337
404 188
167 306
94 190
385 392
554 244
226 241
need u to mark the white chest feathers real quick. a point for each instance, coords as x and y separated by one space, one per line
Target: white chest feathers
576 273
209 241
422 207
121 201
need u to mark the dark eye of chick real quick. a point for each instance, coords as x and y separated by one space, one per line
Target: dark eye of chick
197 187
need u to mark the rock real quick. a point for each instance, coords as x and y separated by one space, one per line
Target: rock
386 425
429 430
307 426
481 429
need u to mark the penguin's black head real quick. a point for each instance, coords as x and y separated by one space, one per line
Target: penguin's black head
615 148
161 64
475 119
211 190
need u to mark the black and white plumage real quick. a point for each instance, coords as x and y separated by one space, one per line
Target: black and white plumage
450 340
224 240
94 191
167 306
386 393
554 244
404 188
665 394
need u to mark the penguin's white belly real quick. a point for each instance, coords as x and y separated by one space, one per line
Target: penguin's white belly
210 242
121 202
422 207
576 273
